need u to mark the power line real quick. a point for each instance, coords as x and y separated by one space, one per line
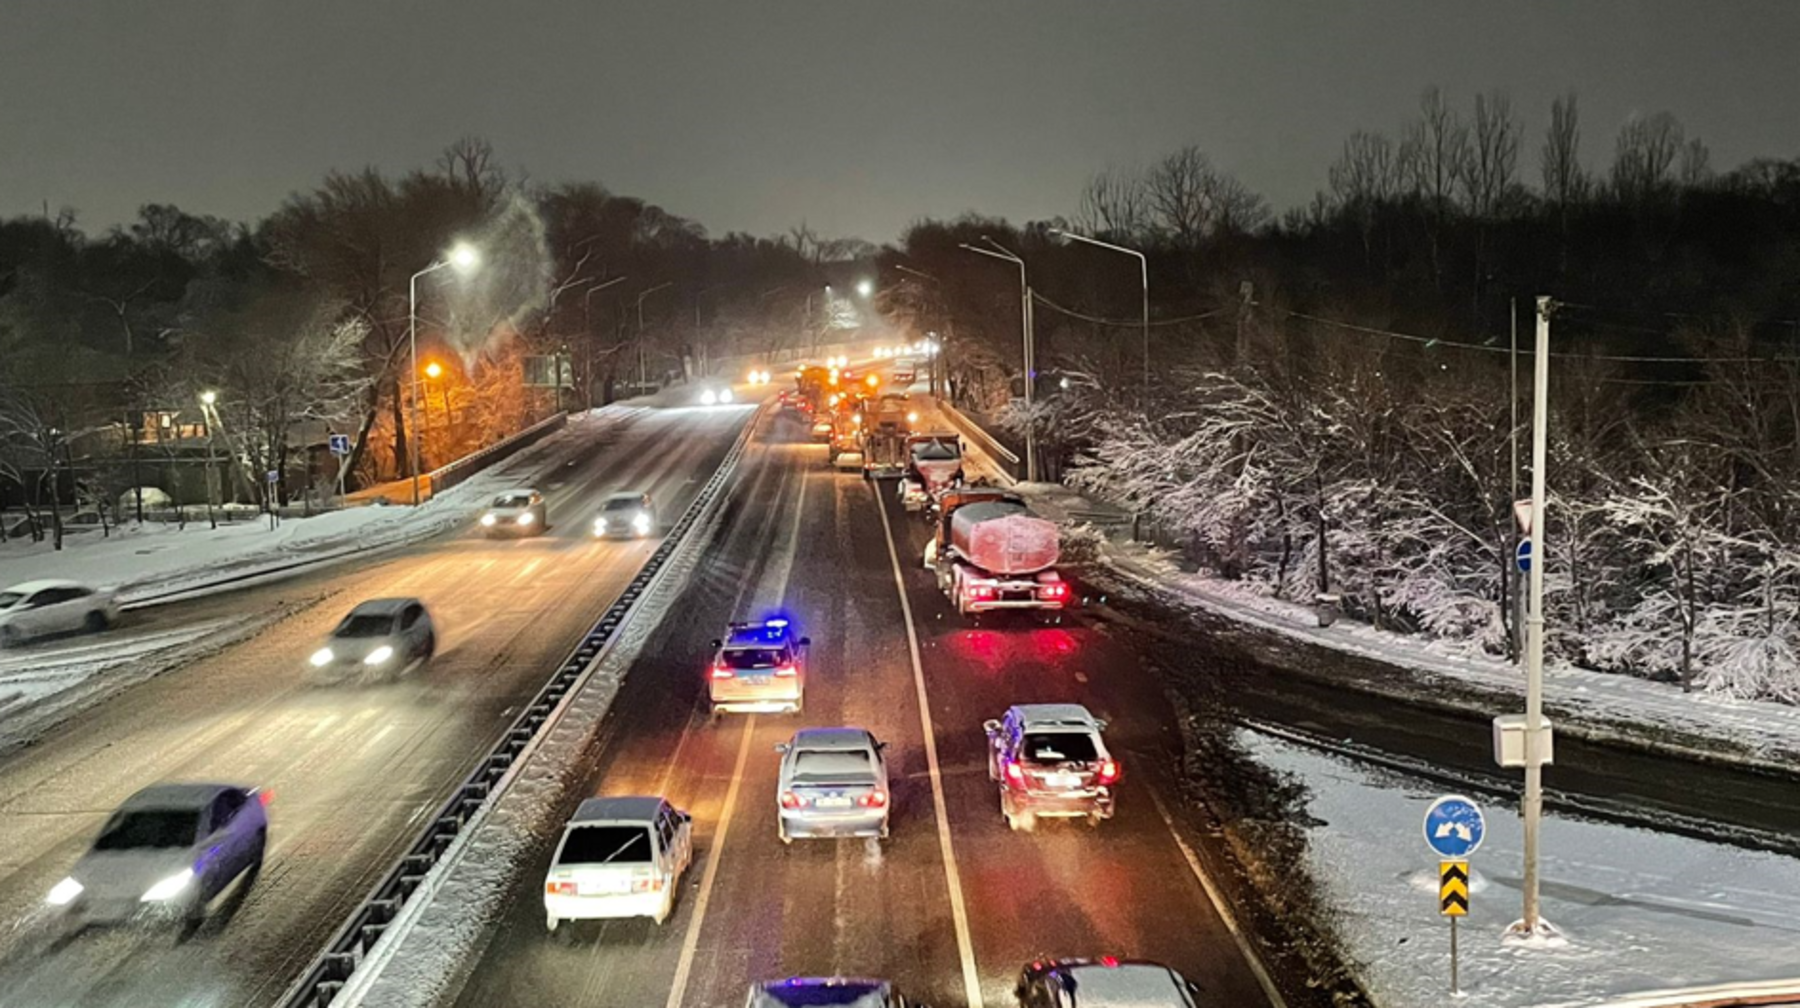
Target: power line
1124 323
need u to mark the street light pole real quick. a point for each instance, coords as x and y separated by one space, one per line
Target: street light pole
587 325
640 331
943 352
1144 277
1029 351
464 258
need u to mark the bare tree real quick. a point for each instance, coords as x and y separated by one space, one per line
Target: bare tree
1365 171
1435 146
1565 183
1643 157
1115 202
1179 192
1696 164
1492 155
469 163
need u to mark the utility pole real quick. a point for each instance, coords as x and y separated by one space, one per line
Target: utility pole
1030 352
1512 575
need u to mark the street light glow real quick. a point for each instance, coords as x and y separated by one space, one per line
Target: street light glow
433 370
865 287
208 397
465 257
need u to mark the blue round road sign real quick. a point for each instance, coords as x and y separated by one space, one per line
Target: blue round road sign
1525 556
1454 827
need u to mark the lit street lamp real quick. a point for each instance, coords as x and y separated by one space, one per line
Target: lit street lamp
1030 353
464 259
865 288
1144 275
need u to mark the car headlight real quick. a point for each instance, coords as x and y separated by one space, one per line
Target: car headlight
379 655
724 395
168 888
321 657
488 519
709 397
641 523
599 526
527 518
64 892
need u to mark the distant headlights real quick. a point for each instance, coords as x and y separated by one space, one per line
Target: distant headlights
64 892
724 395
709 398
488 519
168 888
379 655
321 657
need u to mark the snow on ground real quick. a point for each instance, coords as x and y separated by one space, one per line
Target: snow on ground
154 559
1640 910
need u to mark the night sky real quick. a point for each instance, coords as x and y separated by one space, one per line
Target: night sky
856 117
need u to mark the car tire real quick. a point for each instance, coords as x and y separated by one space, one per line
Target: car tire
96 622
10 637
667 908
550 924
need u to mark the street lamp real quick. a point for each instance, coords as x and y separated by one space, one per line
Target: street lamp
587 325
1144 276
640 331
465 259
865 288
1029 350
208 399
949 329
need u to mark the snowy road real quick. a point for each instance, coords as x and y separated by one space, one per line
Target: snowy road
352 768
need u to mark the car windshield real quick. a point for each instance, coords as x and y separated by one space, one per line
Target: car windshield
795 994
935 451
150 828
755 658
606 845
10 599
623 504
512 501
1059 747
833 766
365 625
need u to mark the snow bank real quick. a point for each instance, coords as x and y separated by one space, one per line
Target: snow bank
1640 910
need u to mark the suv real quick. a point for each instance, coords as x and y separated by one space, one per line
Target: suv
758 667
618 857
1104 983
1050 760
515 512
834 783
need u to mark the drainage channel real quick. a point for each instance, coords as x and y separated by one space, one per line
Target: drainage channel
332 968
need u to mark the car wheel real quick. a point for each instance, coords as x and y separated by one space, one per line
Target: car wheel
550 924
254 871
96 622
9 637
668 905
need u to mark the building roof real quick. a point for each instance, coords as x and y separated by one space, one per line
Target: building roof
630 808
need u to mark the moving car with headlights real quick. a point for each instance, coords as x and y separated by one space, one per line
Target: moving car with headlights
618 857
516 512
379 637
833 783
1050 761
827 992
626 516
758 667
43 608
715 395
1104 983
165 854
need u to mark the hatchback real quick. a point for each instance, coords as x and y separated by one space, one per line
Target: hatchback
618 857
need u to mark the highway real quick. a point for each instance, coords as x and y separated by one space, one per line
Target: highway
952 905
352 768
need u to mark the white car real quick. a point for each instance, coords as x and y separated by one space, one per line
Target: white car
618 857
628 515
42 608
719 396
516 512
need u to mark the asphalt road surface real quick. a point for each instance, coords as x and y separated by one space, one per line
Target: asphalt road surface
353 768
953 904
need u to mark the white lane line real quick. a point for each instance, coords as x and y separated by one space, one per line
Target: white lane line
965 946
691 942
1218 902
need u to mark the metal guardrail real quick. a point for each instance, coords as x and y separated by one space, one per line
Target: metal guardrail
1002 455
331 969
446 476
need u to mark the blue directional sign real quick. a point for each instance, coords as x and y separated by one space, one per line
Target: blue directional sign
340 444
1454 827
1525 556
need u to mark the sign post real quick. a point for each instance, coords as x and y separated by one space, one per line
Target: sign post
1454 827
340 448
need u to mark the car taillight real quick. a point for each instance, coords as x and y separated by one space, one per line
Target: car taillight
981 591
786 670
874 799
644 885
1054 590
790 800
1108 772
265 796
1014 775
559 888
721 671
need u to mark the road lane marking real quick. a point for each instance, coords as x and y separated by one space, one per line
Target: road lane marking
965 946
690 943
1218 902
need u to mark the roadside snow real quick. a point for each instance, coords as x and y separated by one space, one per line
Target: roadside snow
155 560
1640 910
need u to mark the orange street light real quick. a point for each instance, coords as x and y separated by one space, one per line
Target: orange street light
433 370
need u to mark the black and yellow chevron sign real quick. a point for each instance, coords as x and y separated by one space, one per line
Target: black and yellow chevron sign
1453 888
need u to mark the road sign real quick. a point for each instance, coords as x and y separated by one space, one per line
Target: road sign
1524 556
1453 888
273 477
1522 513
1454 826
340 444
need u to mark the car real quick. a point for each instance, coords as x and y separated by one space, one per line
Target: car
827 992
1107 982
43 608
516 512
384 636
758 667
821 430
903 372
618 857
715 395
833 783
626 516
167 852
1050 760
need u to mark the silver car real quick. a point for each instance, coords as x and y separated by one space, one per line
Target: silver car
516 512
834 783
380 637
166 854
1104 983
626 516
43 608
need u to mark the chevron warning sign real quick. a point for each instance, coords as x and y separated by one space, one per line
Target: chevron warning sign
1453 888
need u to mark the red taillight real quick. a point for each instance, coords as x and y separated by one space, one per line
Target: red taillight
1110 962
1108 772
874 799
721 671
644 885
786 670
265 796
790 800
981 591
1014 775
1054 590
559 888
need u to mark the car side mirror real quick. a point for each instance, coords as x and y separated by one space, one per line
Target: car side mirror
991 726
881 747
806 642
781 747
1100 723
686 817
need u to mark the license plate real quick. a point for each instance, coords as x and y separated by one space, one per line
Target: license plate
833 802
607 888
1061 780
756 680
